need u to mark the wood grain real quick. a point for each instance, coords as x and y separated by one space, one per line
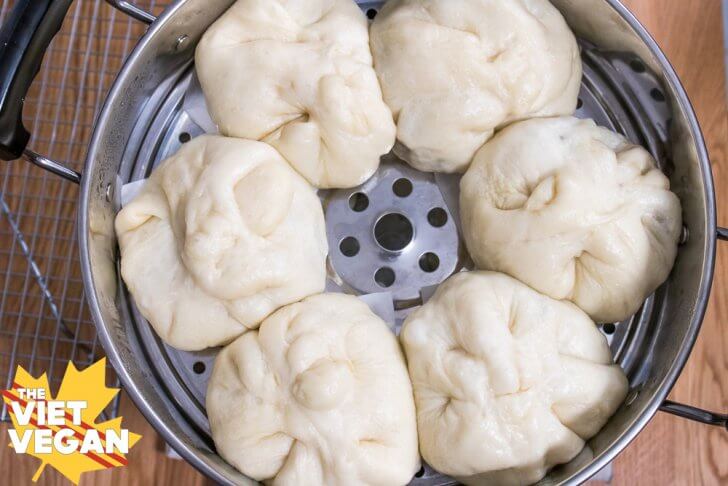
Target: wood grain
669 450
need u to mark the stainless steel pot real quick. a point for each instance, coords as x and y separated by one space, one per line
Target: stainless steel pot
628 85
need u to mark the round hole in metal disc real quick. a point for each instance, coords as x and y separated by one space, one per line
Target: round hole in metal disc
371 13
393 232
420 473
184 137
657 95
609 328
384 277
402 187
637 66
579 103
437 217
199 367
349 246
358 202
429 262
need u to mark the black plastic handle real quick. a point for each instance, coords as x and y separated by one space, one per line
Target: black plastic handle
24 38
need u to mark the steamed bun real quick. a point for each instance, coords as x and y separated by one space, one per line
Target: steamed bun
574 211
507 382
453 71
318 395
222 234
298 74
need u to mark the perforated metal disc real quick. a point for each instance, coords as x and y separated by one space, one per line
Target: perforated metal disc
394 232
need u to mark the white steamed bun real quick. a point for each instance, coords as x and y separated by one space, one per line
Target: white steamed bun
298 74
507 382
222 234
453 71
574 211
318 395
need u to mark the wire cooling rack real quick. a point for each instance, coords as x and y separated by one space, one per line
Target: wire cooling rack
44 319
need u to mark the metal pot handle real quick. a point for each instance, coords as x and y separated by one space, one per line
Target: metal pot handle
693 413
24 39
696 414
132 11
52 166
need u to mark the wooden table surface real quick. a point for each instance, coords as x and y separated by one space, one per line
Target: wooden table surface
669 450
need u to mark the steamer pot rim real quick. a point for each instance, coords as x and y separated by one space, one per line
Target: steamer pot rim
203 463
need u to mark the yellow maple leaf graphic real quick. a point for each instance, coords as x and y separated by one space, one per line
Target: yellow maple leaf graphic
88 385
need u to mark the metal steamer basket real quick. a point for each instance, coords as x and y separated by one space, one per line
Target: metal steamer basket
396 233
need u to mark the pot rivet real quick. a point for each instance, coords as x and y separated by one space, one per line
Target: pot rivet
182 42
109 192
684 235
631 397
